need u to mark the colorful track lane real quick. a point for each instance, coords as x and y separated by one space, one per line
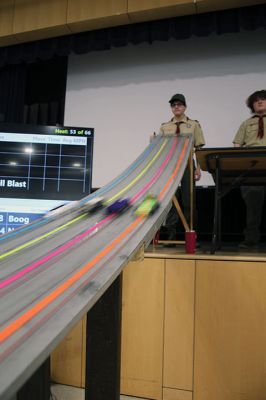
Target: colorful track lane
60 306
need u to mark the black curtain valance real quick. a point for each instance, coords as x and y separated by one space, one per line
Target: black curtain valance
220 22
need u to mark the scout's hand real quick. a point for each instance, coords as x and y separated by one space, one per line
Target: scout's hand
197 174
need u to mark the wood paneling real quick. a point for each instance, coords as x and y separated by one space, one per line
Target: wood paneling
230 331
37 19
173 394
157 331
68 360
144 10
95 14
6 22
211 5
142 329
179 324
27 20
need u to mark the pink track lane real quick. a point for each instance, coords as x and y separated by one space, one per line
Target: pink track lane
55 253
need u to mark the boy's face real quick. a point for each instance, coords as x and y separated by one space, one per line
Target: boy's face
178 108
260 106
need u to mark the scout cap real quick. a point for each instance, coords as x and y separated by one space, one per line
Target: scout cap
178 97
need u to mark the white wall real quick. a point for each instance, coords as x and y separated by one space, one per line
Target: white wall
123 93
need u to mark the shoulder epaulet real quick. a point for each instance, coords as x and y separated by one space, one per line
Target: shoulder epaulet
195 120
164 123
198 123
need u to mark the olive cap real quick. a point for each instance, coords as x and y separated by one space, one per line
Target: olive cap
178 97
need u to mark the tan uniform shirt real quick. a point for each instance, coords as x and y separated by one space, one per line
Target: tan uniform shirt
187 126
247 134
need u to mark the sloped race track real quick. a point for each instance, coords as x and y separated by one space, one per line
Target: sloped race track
54 270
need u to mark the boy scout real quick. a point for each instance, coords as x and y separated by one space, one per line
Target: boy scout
181 124
251 133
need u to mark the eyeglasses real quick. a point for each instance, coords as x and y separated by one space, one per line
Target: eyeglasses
177 104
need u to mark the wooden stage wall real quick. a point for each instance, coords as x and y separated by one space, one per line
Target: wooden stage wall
192 328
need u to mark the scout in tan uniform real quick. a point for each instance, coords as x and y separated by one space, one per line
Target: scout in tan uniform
181 124
251 133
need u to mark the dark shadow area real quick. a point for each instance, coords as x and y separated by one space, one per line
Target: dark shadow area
233 218
45 92
34 93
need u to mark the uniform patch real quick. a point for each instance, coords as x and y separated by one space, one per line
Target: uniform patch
189 126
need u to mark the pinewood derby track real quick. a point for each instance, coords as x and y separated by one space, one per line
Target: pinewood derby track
54 270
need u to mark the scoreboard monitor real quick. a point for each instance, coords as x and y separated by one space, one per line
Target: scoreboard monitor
41 167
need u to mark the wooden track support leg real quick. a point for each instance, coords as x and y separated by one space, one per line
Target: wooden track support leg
180 213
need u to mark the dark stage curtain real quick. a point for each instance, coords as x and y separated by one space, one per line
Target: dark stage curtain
219 22
12 89
34 93
45 92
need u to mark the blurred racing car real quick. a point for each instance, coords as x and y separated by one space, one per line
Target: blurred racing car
118 206
60 209
92 205
148 206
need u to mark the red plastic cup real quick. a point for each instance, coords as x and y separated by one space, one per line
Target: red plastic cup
190 237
